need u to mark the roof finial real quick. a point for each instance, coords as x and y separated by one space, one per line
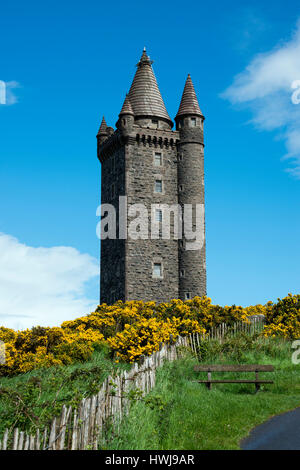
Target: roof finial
145 59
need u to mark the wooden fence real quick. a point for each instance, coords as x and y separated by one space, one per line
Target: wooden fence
86 427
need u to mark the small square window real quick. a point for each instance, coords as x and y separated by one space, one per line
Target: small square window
157 270
158 215
158 159
158 186
193 122
155 122
187 296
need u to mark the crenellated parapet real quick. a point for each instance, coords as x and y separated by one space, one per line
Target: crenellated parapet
110 145
159 139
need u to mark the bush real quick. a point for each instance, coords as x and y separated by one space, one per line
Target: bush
283 318
135 328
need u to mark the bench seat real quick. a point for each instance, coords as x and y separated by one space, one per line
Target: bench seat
238 381
234 368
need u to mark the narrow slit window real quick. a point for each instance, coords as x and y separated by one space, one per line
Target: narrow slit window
157 270
158 215
158 159
187 296
158 186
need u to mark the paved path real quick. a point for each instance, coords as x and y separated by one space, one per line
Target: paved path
279 433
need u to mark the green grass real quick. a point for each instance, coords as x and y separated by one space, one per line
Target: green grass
184 415
31 400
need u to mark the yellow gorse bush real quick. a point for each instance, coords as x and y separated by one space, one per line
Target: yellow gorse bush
135 328
283 318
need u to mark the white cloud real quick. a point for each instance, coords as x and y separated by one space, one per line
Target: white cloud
7 95
43 286
265 87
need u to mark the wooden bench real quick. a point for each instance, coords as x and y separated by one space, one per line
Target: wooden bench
234 368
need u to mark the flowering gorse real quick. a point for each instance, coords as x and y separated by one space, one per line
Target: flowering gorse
283 318
134 328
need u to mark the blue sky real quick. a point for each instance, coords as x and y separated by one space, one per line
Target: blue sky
68 63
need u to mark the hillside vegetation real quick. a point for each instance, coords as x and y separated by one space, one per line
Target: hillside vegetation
48 367
132 329
182 414
30 401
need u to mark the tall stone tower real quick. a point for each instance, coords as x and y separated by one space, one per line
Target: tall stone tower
159 169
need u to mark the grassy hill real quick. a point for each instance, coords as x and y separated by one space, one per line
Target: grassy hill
29 401
183 414
48 367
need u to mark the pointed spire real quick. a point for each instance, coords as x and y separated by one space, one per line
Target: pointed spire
144 94
103 127
145 59
126 108
189 102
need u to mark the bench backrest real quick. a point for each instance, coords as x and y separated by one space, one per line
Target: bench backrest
234 368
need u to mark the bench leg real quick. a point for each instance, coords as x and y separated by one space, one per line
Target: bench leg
209 378
257 385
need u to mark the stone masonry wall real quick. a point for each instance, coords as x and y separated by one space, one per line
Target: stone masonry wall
127 265
192 264
112 285
141 174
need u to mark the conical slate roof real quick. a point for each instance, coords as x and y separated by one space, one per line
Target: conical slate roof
189 102
126 108
144 94
103 127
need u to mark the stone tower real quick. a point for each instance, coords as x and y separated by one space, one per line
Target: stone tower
159 169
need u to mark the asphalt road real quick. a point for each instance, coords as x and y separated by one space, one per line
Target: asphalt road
279 433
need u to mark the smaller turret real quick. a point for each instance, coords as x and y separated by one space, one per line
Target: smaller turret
189 114
126 117
102 133
189 123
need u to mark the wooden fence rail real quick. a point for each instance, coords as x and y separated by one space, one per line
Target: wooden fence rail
86 427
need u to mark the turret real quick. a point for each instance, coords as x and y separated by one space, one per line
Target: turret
102 133
189 115
145 98
189 123
126 117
